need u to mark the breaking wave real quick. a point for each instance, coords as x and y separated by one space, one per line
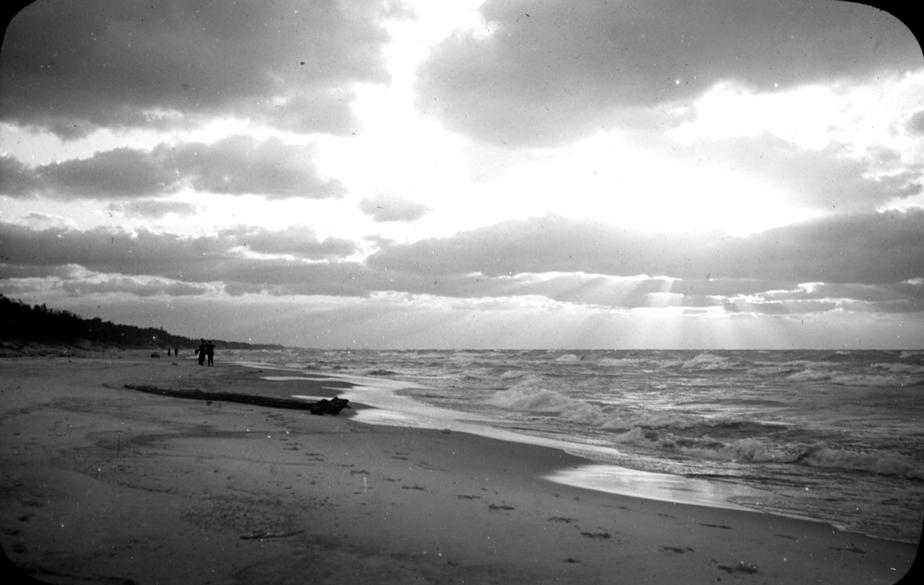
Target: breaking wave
708 362
896 377
752 450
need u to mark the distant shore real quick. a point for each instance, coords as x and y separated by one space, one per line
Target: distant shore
101 483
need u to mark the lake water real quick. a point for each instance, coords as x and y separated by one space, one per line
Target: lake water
835 436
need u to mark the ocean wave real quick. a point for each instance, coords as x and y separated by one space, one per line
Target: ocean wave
709 361
899 368
568 358
757 450
896 378
380 372
883 380
883 463
619 362
530 396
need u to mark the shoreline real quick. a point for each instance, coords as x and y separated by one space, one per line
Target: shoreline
593 473
99 481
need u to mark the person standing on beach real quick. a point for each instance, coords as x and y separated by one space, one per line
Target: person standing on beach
201 352
210 352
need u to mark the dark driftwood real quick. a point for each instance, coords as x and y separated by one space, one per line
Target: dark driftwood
324 406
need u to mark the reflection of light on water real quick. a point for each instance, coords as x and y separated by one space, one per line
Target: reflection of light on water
653 486
375 416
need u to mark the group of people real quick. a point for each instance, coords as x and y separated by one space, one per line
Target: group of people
206 351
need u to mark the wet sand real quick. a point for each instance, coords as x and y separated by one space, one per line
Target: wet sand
102 484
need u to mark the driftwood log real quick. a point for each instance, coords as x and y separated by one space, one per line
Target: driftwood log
321 407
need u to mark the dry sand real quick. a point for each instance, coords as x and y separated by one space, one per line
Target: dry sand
101 484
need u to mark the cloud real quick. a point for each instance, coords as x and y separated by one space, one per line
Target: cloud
15 177
236 165
285 63
140 287
191 259
152 208
865 262
827 179
298 241
392 208
542 72
122 172
916 123
241 165
862 248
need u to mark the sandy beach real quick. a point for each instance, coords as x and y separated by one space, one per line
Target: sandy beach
103 484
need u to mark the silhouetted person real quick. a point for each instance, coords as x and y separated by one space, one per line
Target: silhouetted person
210 352
201 352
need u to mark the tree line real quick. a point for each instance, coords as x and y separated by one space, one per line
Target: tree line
22 323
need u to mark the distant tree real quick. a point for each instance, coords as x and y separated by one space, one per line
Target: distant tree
22 323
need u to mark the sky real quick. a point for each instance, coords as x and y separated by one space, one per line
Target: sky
741 174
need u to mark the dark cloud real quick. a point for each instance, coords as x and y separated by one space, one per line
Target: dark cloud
863 262
242 165
146 253
552 70
863 248
74 66
15 178
295 240
392 208
233 166
113 174
136 287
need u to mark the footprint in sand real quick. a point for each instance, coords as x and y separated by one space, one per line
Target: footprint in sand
851 547
741 567
677 549
496 507
602 535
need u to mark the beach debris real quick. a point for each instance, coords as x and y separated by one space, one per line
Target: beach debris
496 507
332 406
851 547
322 407
602 534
